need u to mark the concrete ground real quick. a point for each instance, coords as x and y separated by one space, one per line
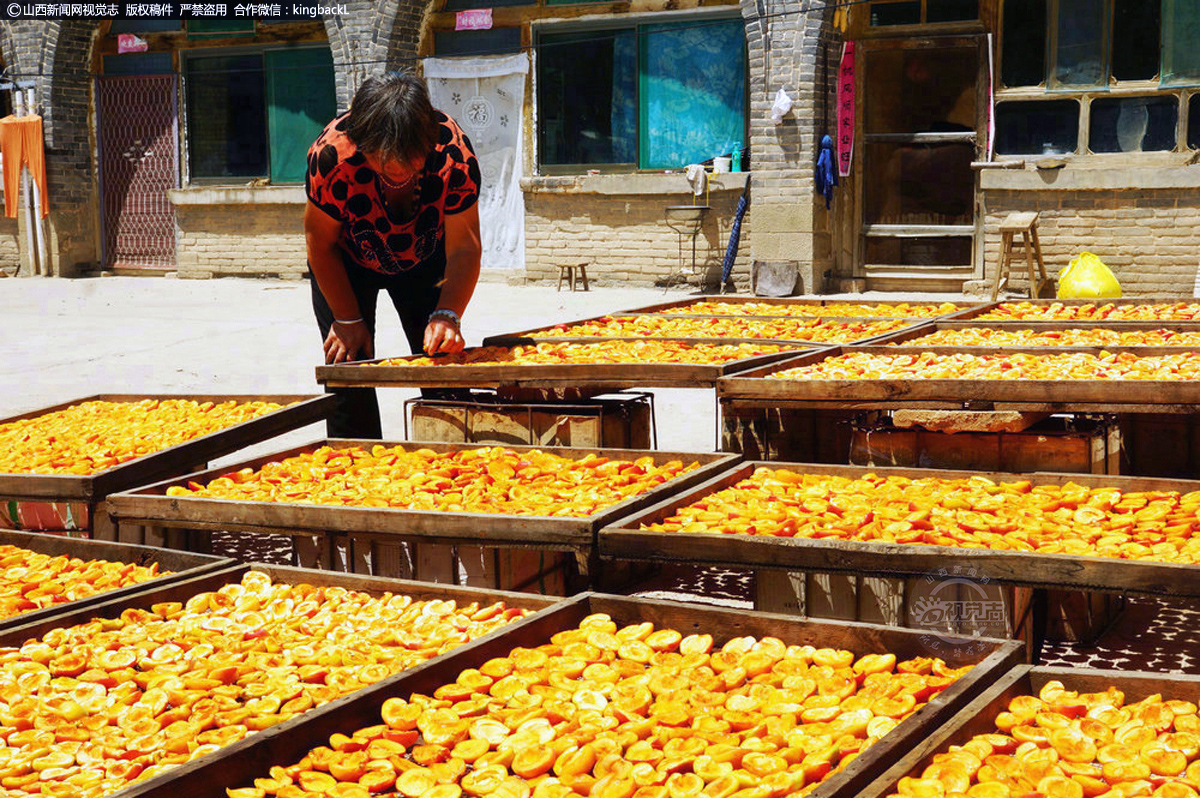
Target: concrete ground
66 339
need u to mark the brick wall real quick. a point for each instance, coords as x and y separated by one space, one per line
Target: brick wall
55 57
258 240
10 254
1149 238
625 240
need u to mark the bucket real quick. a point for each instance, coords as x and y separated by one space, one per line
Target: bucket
722 163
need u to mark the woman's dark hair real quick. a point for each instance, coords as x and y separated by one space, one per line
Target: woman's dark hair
391 116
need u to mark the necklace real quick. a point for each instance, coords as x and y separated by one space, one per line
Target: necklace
396 186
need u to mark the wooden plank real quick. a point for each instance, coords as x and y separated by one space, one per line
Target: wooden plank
755 385
175 565
241 762
608 376
740 300
980 715
625 540
172 460
152 505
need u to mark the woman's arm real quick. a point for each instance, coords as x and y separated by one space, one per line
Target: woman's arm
349 337
462 273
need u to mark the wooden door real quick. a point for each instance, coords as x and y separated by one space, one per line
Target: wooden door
138 143
923 106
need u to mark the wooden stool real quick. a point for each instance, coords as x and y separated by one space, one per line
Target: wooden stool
1025 223
568 273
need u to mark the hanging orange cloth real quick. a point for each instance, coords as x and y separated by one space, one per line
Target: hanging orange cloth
21 143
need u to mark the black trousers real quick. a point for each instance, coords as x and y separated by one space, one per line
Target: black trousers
414 297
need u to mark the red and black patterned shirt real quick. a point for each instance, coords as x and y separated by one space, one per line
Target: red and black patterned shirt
340 183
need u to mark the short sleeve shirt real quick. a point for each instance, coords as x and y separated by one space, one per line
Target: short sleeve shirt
340 183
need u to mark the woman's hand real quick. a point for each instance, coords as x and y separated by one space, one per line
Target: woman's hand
443 336
346 341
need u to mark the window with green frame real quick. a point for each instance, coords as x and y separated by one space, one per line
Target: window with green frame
253 113
647 96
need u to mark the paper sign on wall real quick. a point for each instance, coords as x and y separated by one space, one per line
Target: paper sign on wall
128 43
845 110
473 19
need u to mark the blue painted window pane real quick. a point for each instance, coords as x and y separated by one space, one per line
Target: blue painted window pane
138 64
144 26
477 42
1181 32
1081 59
1037 127
1133 124
301 100
587 97
693 92
227 116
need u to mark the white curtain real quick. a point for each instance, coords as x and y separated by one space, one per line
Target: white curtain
486 97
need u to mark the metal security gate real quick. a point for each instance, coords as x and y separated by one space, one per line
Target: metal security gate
138 132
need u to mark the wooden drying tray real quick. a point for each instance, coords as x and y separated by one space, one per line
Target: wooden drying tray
181 565
523 337
152 505
979 717
973 313
625 540
600 376
240 763
832 303
173 460
905 338
182 589
752 388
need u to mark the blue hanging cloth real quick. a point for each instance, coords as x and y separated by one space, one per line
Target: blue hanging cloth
826 173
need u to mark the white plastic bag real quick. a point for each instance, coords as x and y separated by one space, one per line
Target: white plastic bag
781 106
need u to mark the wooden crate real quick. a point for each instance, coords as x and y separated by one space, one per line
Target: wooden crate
174 565
797 435
1160 444
1085 446
1006 610
379 540
238 764
755 388
625 540
34 495
617 421
980 715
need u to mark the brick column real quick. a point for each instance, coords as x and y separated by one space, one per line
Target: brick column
790 47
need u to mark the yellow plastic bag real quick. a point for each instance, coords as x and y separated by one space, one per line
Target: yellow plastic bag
1086 277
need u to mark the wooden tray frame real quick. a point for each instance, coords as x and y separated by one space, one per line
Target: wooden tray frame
151 505
752 388
183 589
769 300
979 716
901 339
624 540
166 462
971 314
608 376
183 566
239 763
